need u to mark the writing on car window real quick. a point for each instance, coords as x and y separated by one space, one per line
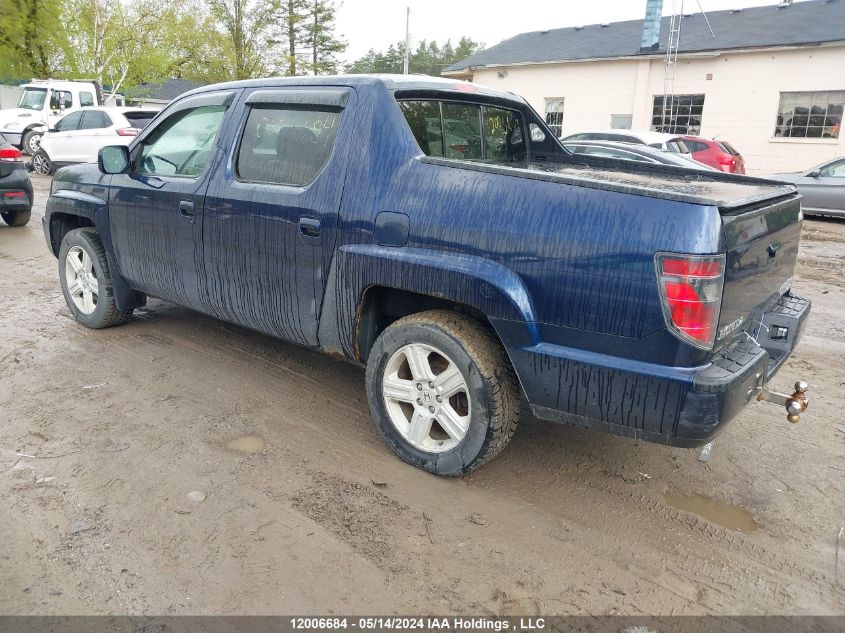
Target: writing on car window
286 146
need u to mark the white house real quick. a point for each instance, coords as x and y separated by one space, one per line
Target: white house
770 80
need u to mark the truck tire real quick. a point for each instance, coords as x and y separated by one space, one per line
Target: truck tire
41 163
16 218
442 392
31 142
86 282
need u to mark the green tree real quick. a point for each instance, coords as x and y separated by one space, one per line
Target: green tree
110 40
247 25
30 38
322 43
428 58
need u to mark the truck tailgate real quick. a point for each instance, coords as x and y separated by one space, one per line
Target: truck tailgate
762 248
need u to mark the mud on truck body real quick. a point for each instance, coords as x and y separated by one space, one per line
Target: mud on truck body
438 233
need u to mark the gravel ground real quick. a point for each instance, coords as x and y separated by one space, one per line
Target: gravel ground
180 465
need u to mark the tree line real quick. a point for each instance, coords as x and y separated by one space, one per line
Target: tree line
123 43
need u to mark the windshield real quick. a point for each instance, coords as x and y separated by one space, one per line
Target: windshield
33 98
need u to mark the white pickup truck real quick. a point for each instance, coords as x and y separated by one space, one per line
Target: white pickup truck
41 105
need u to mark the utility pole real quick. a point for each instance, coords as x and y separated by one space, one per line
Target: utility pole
407 40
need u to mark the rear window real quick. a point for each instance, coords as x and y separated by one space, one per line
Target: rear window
139 120
728 148
465 131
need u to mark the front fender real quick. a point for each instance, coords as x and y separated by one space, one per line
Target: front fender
72 202
484 284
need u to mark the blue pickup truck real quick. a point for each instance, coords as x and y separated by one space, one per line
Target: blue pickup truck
437 233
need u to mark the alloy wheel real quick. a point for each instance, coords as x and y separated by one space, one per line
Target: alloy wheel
41 165
426 397
82 284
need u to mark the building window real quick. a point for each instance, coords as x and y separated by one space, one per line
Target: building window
810 114
677 114
554 115
621 121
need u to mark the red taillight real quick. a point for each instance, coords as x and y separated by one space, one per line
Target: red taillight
10 155
691 292
127 131
13 194
727 163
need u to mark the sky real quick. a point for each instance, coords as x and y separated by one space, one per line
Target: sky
378 23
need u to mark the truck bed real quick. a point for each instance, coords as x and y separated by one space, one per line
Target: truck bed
728 192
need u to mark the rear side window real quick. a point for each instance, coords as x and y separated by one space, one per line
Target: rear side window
94 119
139 120
696 146
465 131
86 99
285 145
728 148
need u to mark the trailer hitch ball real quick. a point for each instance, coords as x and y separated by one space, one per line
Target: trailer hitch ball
795 404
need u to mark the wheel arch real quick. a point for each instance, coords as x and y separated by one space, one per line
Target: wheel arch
370 286
69 209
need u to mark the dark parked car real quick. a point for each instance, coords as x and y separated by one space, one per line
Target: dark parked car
638 153
822 186
720 155
15 187
644 300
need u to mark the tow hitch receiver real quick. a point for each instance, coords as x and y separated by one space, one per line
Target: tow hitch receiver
795 404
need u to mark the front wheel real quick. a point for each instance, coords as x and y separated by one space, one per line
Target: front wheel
31 142
86 282
41 163
442 392
16 218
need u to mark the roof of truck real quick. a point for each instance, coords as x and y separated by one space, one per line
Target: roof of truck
391 82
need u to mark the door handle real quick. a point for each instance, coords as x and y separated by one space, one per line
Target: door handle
186 209
309 227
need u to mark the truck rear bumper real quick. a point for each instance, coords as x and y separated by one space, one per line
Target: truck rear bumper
670 405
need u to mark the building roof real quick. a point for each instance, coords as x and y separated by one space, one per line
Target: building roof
165 91
809 22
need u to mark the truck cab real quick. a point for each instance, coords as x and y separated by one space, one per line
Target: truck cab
41 105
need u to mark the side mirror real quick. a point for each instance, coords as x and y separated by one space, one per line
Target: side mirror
53 129
815 173
113 159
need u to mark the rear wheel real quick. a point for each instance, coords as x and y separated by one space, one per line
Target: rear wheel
442 392
16 218
41 163
86 282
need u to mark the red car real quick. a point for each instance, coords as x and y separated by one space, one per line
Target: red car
718 154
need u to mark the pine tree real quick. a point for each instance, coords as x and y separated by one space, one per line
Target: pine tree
323 44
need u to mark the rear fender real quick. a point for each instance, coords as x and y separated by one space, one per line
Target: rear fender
478 282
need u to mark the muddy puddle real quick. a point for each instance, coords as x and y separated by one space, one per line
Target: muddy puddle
246 444
724 514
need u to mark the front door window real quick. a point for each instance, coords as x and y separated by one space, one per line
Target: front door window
181 145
